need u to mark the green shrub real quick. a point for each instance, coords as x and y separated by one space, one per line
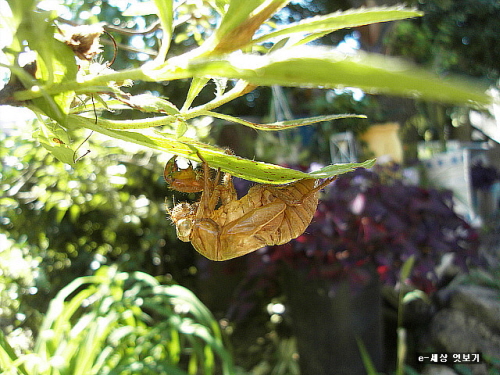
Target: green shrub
123 323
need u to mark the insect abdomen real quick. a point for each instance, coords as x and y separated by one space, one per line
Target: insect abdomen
297 217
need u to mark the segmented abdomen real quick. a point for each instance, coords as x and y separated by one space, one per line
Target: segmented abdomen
296 217
282 225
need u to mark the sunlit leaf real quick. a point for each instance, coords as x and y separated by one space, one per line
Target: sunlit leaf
320 67
280 125
342 19
338 169
74 212
39 34
149 122
166 15
240 23
237 12
180 128
56 141
217 158
415 295
55 62
150 103
197 84
92 321
8 357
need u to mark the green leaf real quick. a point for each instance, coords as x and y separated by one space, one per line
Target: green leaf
341 20
146 123
406 269
197 84
149 103
220 5
320 67
217 158
55 63
240 23
306 67
10 19
38 30
74 212
8 357
237 12
415 295
55 140
180 128
365 356
338 169
280 125
109 105
92 321
63 69
166 15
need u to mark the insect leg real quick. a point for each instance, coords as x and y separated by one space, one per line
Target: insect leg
326 182
214 198
227 190
170 168
210 196
205 195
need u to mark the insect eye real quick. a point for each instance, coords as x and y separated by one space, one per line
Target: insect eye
184 227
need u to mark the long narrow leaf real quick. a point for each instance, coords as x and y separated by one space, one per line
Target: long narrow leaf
166 15
99 341
300 66
406 269
320 67
69 309
196 86
244 168
8 357
280 125
93 342
57 305
341 20
365 357
198 309
238 26
237 12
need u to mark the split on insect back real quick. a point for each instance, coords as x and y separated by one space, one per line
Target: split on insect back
220 226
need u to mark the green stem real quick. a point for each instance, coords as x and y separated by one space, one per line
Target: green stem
128 124
92 85
148 72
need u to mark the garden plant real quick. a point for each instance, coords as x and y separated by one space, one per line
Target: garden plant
123 323
82 103
66 95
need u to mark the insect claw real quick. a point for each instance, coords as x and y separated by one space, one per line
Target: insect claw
200 157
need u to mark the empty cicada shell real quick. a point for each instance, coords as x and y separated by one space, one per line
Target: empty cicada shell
187 180
222 227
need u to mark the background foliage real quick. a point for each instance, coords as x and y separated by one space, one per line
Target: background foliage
121 323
